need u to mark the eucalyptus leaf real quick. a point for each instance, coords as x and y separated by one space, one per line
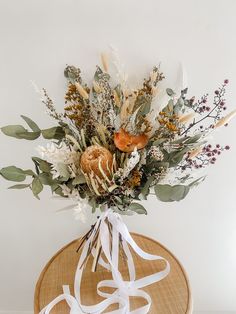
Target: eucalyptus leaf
99 74
58 191
28 135
144 109
120 211
179 192
37 187
79 180
159 141
29 172
179 106
174 158
13 173
170 105
37 159
146 188
44 166
34 127
193 139
64 171
19 186
46 179
171 193
138 208
163 192
197 181
13 130
56 132
170 92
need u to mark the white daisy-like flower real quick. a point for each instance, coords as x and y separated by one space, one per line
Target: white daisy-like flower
59 155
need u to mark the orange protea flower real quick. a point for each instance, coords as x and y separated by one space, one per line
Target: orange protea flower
127 142
97 160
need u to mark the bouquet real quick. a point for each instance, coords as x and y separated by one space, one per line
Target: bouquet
114 145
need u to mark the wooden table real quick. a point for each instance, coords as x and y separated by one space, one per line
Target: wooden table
172 295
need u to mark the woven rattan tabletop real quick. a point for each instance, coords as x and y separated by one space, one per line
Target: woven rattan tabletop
172 295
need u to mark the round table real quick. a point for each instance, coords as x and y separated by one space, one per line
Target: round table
172 295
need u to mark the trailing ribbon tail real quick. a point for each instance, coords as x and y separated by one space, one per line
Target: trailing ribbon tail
123 289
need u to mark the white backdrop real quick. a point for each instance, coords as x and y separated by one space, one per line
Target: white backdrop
38 37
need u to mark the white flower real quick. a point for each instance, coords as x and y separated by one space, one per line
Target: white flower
81 206
58 155
131 163
80 210
156 153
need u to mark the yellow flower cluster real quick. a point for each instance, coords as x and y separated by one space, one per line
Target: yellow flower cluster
168 121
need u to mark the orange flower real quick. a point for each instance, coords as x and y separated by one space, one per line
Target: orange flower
126 142
97 159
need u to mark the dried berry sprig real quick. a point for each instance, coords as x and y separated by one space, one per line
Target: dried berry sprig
208 155
214 112
47 101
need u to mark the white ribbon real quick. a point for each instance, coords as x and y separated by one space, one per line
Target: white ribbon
123 289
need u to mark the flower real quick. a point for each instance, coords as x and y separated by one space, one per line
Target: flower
81 205
156 153
97 159
80 210
127 142
59 155
131 163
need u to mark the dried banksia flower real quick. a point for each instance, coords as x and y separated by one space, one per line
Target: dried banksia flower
97 159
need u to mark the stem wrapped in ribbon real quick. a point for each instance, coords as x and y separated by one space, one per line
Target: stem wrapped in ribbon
109 242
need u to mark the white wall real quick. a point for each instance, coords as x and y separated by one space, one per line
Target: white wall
38 37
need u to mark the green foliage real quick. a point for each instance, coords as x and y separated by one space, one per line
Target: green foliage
146 189
56 133
13 130
37 187
19 132
72 73
79 180
169 193
29 135
170 92
137 208
13 173
34 127
19 186
63 170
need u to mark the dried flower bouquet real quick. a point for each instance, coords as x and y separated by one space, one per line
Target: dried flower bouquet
112 146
